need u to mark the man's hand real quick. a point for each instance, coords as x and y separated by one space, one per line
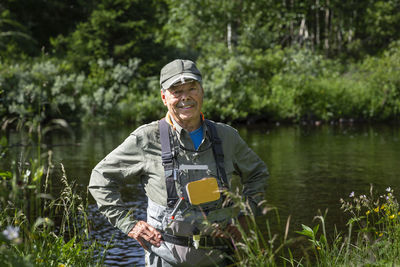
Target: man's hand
144 231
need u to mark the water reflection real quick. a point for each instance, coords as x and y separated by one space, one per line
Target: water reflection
122 251
311 168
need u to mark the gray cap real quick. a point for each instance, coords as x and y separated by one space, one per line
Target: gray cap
178 70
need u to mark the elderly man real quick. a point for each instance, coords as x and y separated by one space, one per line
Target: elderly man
185 162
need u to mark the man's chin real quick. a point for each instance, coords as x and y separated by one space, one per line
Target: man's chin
188 118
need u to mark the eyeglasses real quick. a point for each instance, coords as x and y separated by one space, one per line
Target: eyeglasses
178 91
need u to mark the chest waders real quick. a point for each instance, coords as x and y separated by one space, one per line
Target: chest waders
170 164
182 233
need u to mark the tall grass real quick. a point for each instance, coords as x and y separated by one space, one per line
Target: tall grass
372 237
37 228
373 233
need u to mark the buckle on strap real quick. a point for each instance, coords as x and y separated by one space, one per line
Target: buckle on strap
196 241
166 158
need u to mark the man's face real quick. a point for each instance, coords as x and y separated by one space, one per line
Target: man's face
184 102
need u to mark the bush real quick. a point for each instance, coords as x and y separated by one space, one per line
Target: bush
46 89
237 85
39 90
271 84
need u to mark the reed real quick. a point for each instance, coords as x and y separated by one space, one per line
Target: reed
38 229
372 237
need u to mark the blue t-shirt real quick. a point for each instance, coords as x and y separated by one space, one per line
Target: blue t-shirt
197 137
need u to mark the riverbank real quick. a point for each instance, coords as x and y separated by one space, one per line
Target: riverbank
301 86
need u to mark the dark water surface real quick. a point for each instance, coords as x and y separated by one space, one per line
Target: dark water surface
310 168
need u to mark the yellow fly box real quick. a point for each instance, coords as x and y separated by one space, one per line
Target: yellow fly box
203 191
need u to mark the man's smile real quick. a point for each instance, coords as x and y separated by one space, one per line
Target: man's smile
186 105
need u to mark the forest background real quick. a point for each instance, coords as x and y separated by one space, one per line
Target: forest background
271 60
98 61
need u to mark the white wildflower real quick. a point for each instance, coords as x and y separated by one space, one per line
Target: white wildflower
11 233
352 194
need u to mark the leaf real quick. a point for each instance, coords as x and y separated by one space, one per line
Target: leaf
307 231
352 220
5 175
70 243
42 221
38 173
315 230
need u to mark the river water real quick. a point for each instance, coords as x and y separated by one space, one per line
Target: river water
311 168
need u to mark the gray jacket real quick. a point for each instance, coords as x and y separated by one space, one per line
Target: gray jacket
139 157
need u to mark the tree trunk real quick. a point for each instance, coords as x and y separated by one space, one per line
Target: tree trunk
229 36
317 37
327 33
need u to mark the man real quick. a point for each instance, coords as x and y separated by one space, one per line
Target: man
185 163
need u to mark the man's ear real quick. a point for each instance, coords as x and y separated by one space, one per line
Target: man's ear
163 97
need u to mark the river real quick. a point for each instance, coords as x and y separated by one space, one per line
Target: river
311 168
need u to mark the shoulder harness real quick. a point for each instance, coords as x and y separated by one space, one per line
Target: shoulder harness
169 155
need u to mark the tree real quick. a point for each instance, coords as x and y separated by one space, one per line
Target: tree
120 30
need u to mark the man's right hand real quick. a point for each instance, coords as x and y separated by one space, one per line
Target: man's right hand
144 231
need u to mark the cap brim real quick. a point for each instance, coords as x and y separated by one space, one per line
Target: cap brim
168 83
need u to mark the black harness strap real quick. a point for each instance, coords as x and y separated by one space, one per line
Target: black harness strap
167 158
205 241
218 152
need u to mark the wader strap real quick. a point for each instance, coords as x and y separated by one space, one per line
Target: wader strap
205 241
167 158
218 152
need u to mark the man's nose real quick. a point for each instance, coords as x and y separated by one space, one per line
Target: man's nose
185 94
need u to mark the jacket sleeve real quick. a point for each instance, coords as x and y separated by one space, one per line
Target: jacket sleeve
253 172
126 161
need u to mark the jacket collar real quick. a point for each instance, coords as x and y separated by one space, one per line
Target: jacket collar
177 127
182 134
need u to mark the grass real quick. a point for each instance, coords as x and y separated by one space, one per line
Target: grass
37 229
372 237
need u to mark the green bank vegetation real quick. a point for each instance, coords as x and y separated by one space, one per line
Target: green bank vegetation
42 224
371 238
272 60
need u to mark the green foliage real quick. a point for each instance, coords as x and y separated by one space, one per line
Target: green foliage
259 245
374 243
372 239
41 21
120 30
31 234
237 86
271 84
39 90
261 60
382 83
311 87
382 20
12 36
46 90
105 85
143 105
